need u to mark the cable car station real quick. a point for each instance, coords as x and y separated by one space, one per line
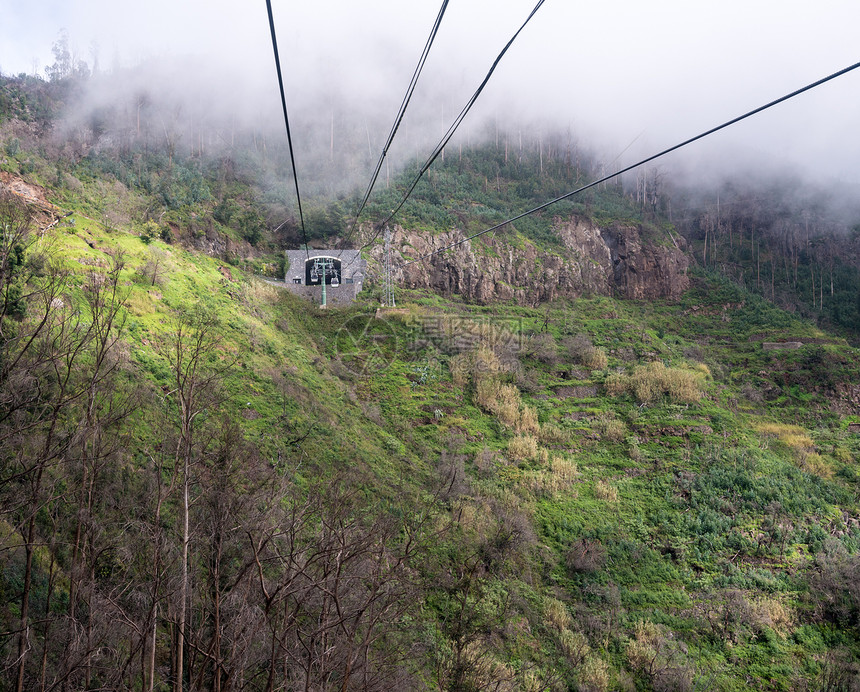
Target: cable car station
325 276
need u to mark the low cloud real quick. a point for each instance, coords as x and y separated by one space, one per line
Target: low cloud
623 76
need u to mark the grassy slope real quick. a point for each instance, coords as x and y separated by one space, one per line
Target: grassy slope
690 505
701 520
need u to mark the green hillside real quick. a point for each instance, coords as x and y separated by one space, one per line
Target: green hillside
209 484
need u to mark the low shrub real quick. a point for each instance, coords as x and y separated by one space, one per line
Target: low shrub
800 445
564 469
657 656
550 482
553 435
595 359
523 448
605 491
651 381
585 556
527 421
814 463
542 347
556 614
486 362
834 587
579 349
460 367
575 646
502 400
611 429
594 675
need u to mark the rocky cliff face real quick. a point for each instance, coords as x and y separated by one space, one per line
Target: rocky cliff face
614 260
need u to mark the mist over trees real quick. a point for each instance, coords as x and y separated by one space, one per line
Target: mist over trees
794 242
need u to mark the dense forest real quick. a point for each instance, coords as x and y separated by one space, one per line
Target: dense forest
209 484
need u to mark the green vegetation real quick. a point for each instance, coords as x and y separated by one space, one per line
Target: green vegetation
484 185
204 480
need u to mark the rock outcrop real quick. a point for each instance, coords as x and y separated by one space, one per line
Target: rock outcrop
621 259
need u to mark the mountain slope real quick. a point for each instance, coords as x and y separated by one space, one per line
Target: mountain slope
584 492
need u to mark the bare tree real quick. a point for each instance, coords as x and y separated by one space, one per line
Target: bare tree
155 267
58 411
336 578
43 338
103 407
191 352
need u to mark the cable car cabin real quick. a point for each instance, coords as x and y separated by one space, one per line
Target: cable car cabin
319 269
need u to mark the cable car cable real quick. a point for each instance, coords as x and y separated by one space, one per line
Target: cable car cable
459 119
450 133
287 122
398 118
626 169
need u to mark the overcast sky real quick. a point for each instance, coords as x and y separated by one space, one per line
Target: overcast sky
616 71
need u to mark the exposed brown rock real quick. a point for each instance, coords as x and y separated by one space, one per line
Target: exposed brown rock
45 214
594 260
